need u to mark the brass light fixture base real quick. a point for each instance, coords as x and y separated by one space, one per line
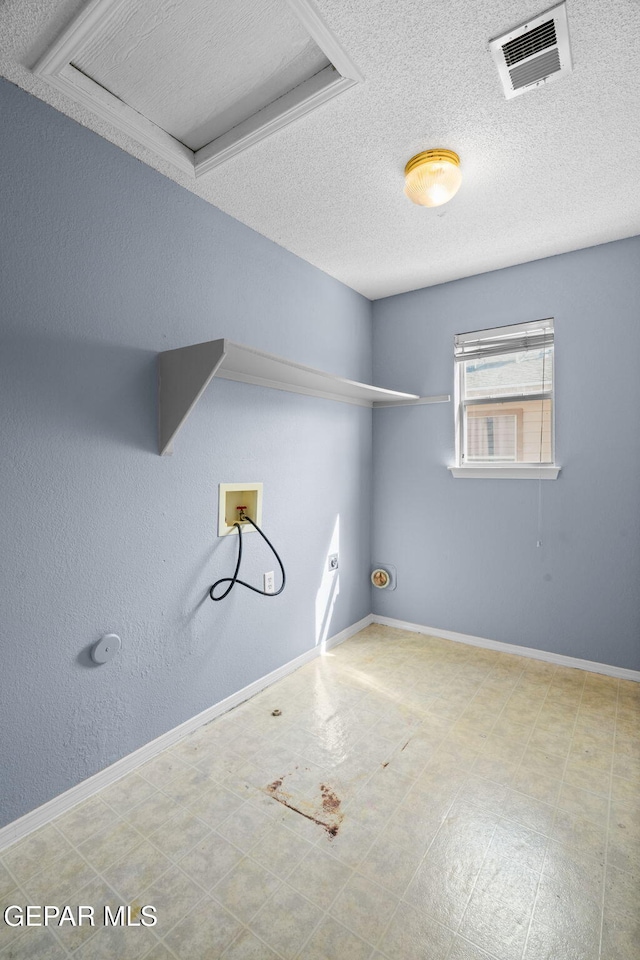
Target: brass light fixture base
448 156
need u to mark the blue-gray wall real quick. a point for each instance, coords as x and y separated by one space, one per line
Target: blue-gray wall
465 550
103 263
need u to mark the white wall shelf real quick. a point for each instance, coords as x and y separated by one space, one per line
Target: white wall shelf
185 373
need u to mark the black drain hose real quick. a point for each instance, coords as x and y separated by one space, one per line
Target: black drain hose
234 579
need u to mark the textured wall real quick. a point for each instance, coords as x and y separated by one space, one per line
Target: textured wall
466 549
105 262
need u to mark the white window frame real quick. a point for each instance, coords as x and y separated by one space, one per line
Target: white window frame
517 336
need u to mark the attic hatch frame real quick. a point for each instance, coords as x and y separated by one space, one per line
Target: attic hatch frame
185 373
56 68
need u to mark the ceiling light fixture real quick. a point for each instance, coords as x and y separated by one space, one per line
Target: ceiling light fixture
432 177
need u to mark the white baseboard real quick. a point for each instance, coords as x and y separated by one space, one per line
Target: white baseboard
593 666
70 798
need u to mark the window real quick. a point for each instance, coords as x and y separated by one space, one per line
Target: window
504 387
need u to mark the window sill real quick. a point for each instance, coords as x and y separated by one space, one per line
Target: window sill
523 471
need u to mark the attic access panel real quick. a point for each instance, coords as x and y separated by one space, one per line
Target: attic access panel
198 81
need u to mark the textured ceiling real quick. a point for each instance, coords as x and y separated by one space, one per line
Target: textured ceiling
550 171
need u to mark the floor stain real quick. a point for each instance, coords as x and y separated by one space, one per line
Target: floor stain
329 817
330 802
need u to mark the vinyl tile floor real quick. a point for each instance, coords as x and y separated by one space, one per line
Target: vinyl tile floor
401 798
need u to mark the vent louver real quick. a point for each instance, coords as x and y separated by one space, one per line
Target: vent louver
540 38
533 53
534 70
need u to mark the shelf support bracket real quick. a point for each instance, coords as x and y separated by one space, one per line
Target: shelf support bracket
183 376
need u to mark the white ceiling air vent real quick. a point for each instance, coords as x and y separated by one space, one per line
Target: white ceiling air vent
533 53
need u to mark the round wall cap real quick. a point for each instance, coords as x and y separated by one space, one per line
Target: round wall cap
105 648
380 578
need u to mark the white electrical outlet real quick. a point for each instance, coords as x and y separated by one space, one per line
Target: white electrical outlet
269 582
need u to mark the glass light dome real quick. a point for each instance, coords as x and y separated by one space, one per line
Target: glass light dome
432 177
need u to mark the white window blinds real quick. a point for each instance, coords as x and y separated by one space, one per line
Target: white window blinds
504 388
516 338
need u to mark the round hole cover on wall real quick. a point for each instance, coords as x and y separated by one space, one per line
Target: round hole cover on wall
380 578
385 575
106 648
